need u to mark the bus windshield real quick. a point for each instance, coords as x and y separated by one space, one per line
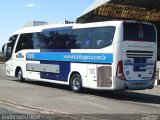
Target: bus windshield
10 46
139 32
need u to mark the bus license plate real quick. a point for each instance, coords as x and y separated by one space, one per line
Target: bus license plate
139 84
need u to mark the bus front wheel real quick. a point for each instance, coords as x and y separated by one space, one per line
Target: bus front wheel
76 83
20 75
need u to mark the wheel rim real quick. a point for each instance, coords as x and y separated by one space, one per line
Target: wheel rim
19 75
76 83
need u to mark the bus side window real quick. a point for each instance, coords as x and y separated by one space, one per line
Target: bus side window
36 41
102 37
47 39
65 39
20 44
25 42
77 44
82 38
100 43
87 43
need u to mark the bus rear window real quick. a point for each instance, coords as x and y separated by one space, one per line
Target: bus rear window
139 32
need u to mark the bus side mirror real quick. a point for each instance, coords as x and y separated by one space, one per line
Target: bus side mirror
4 47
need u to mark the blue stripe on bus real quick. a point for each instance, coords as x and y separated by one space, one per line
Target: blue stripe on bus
71 57
62 76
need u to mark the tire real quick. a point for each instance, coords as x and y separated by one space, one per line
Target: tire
76 83
20 76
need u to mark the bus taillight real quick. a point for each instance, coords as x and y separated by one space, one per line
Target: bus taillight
120 71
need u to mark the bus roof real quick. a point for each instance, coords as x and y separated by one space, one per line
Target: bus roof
74 26
40 28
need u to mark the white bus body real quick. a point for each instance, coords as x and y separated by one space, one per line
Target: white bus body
111 55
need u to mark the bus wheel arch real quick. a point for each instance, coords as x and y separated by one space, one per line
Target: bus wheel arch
19 74
75 82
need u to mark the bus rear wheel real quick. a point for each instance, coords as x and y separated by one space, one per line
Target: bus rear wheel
76 83
20 75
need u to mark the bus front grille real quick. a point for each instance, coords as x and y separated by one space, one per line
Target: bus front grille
104 76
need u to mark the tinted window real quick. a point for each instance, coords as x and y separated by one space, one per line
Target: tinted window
94 38
82 38
85 38
10 46
102 37
139 32
64 39
13 40
28 41
57 39
35 42
47 38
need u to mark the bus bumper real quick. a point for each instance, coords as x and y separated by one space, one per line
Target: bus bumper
133 84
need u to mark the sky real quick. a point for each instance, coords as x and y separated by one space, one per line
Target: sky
16 13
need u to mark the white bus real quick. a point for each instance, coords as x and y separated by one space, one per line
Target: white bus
110 55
